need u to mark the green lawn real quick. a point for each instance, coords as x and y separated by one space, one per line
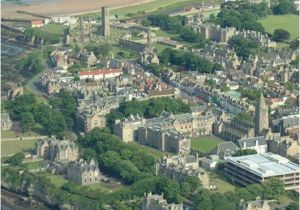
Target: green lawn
57 180
55 28
11 147
102 187
148 150
205 143
221 183
40 99
33 165
286 22
38 130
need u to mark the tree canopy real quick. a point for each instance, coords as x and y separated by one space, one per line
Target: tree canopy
244 47
148 109
280 35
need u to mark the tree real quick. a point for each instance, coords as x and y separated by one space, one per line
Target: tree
27 121
293 206
244 47
105 49
243 152
284 7
16 159
273 189
145 23
294 45
280 35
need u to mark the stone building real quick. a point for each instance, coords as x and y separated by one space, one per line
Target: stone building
57 150
16 90
157 202
148 56
187 124
234 130
261 116
287 125
258 204
180 167
225 149
6 123
164 139
83 172
91 112
215 32
259 144
288 147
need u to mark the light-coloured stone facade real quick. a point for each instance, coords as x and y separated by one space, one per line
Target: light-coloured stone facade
187 124
164 139
6 123
83 173
255 205
285 147
57 150
180 167
157 202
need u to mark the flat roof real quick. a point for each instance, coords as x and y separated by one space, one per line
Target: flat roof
265 165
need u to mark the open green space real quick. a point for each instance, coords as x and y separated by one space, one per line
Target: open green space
40 99
289 23
102 187
205 143
11 147
148 150
55 28
222 185
151 6
33 165
57 180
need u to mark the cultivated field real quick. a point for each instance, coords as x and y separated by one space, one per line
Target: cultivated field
286 22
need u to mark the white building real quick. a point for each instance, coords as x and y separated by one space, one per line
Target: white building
259 168
100 74
258 143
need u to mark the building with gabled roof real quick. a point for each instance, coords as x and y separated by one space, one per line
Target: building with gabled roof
157 202
259 144
100 74
83 172
225 149
57 150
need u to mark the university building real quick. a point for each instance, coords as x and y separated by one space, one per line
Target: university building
258 168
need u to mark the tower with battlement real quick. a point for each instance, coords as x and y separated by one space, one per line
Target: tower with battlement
261 116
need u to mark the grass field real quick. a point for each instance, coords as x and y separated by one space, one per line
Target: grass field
57 180
205 143
221 183
150 151
40 99
286 22
33 165
11 147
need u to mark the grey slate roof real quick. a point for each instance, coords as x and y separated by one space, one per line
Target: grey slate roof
225 149
251 142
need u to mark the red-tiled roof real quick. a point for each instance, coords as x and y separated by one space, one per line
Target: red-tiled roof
34 22
99 72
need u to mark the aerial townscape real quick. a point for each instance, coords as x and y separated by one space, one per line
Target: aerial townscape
150 104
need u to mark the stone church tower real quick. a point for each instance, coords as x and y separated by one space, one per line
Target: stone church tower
261 116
